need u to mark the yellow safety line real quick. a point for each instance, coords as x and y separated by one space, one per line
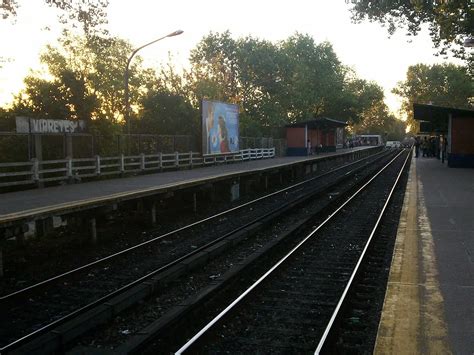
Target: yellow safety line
413 315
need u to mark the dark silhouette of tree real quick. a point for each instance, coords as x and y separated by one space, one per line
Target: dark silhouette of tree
450 22
439 84
89 14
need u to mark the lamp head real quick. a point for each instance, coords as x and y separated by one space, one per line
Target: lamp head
175 33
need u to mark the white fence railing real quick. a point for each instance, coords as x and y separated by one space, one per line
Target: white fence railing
71 170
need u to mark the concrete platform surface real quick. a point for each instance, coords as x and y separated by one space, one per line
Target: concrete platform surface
429 304
33 200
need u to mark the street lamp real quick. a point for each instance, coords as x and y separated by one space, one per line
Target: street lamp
127 98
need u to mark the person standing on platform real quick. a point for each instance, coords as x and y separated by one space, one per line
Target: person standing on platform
417 147
444 149
425 147
432 147
308 147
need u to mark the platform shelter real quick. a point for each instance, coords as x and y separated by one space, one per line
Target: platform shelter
319 135
454 129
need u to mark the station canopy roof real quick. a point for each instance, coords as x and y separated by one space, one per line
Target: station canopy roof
320 122
435 118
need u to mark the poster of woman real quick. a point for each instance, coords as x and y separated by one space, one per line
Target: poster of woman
223 136
220 127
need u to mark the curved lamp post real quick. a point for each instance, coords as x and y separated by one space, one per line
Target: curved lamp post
127 98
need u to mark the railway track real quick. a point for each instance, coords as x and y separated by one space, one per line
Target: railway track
293 307
82 293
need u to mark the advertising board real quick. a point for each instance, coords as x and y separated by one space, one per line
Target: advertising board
220 127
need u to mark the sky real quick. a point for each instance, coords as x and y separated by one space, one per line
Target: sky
366 47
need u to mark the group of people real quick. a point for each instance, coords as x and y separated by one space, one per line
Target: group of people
310 150
430 147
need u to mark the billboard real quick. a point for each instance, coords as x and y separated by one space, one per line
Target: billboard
220 127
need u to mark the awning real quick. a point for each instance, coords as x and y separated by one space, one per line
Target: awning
435 118
321 122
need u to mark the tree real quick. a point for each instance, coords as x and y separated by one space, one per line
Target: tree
166 106
167 113
276 84
316 77
89 14
84 80
237 71
377 120
261 70
365 100
355 98
450 22
443 85
46 99
214 66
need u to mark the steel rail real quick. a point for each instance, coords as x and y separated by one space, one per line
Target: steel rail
176 231
81 310
359 262
191 341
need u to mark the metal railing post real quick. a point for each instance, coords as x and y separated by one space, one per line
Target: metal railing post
69 168
97 165
122 163
35 170
142 161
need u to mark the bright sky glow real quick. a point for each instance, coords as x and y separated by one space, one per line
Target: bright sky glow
364 47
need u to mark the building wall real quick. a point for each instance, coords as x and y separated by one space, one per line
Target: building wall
295 137
296 144
331 138
461 154
462 132
313 137
327 137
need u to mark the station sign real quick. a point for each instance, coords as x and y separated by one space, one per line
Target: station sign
44 126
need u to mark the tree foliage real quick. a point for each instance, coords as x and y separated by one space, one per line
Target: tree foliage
316 77
90 15
378 120
166 106
273 83
450 22
84 80
278 83
439 84
167 113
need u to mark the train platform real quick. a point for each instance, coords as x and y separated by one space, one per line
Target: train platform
429 303
30 204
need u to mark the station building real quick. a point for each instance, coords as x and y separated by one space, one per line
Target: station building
453 129
322 134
